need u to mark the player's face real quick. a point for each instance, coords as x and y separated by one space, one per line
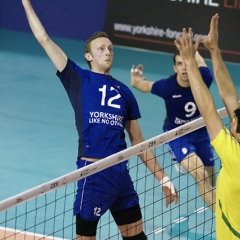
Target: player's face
180 69
233 128
102 55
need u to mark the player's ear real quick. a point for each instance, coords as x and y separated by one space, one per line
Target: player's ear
174 68
88 56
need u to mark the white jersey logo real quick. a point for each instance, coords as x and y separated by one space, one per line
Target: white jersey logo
177 96
184 151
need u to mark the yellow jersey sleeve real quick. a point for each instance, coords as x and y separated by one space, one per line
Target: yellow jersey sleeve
228 149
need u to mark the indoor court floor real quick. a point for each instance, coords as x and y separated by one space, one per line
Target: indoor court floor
38 139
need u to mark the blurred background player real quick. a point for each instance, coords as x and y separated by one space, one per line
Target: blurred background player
192 152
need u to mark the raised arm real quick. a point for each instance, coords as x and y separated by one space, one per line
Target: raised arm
138 82
224 82
199 89
199 59
151 163
57 56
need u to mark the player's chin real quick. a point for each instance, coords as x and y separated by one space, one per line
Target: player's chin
108 65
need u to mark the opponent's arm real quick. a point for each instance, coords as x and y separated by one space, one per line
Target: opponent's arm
150 161
199 89
224 82
199 59
138 82
57 56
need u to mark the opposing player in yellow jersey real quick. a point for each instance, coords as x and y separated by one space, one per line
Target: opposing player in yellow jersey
224 142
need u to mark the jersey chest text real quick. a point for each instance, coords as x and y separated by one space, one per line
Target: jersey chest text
104 104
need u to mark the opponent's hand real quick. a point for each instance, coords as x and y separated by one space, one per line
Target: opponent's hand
185 45
211 41
169 191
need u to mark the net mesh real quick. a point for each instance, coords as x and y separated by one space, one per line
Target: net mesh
46 211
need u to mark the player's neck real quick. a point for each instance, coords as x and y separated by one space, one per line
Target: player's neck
183 82
101 71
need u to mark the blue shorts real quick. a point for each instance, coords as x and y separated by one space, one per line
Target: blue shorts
197 142
111 188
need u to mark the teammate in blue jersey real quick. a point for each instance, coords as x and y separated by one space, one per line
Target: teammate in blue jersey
104 107
191 152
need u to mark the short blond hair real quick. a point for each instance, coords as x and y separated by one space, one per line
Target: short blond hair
87 48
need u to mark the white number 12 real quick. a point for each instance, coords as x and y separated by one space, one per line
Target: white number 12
109 103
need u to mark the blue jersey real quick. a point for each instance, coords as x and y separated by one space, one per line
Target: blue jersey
180 104
102 105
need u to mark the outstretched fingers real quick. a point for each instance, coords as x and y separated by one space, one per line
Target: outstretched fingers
177 43
181 40
211 40
138 70
214 22
184 39
184 44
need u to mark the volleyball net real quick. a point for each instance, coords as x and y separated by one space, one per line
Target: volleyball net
46 211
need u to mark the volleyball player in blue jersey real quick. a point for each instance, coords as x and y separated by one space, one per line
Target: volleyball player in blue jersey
104 107
192 152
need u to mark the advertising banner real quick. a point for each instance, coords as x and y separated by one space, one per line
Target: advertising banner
62 18
154 24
